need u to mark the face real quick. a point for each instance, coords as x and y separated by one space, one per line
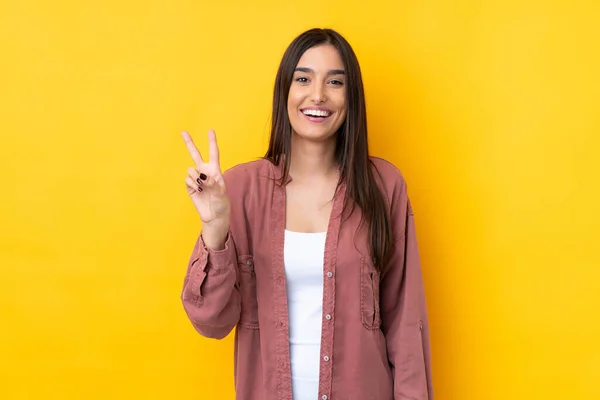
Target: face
317 98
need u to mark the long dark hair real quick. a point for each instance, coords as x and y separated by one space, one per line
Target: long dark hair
351 150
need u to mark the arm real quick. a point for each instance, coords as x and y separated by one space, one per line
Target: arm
404 314
210 296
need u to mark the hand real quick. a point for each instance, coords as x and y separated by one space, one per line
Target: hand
206 187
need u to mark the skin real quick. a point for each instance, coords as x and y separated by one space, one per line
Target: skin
208 195
313 169
317 82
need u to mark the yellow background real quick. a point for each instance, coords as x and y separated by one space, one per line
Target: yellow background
490 108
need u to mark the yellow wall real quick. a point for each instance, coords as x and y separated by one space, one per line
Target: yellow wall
491 109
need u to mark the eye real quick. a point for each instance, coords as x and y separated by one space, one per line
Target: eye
302 79
336 82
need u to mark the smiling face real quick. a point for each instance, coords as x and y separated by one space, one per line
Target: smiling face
316 102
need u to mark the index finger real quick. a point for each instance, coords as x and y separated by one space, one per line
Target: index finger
213 148
192 149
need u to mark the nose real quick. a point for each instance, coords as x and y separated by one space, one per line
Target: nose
318 94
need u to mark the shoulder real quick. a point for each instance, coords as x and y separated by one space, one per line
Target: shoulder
247 171
393 185
385 167
250 183
388 176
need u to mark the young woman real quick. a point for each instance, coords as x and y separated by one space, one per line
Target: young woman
311 251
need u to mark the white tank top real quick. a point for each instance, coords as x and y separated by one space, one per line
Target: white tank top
303 259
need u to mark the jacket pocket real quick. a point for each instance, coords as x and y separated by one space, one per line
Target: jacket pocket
249 309
369 295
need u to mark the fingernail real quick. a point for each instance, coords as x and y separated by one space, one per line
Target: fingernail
199 189
203 177
199 181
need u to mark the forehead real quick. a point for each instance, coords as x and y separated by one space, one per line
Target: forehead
321 58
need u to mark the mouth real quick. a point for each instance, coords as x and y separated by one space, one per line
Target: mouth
316 114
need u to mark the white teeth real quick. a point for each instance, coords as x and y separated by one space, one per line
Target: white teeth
316 113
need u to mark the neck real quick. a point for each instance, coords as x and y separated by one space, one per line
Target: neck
310 159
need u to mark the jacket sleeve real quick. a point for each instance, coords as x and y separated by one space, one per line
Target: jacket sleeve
404 314
210 296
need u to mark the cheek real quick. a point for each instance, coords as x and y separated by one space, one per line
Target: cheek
340 101
290 104
294 97
291 110
343 109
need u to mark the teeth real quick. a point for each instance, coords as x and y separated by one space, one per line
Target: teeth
316 113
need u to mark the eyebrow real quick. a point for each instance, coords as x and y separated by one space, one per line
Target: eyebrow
330 72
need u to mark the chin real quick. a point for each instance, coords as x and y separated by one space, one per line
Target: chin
314 134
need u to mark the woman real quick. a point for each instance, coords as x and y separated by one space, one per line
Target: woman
311 251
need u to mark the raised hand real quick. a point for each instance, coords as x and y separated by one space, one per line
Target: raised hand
206 187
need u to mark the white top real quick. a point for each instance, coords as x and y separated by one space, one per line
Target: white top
303 258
